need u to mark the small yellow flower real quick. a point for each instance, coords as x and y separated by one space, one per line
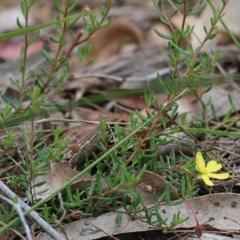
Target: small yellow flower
207 172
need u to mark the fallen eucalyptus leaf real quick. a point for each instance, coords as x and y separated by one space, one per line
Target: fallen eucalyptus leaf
211 211
57 175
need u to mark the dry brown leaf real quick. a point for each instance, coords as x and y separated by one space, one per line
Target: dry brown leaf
109 41
134 102
57 175
211 211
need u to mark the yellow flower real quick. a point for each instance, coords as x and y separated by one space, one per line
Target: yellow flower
207 172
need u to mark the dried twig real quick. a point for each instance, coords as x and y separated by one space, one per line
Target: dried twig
18 209
34 216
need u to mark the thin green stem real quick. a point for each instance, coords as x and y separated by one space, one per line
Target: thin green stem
24 64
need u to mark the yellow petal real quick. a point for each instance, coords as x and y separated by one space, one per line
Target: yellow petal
218 175
200 162
213 166
207 181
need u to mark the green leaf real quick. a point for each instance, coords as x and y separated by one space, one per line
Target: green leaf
39 184
32 3
19 23
45 212
34 38
118 218
25 135
163 35
23 31
217 57
157 5
212 36
106 24
178 1
73 6
205 30
180 49
23 5
22 53
84 52
198 10
213 132
70 25
29 197
173 14
14 82
162 84
42 191
103 12
163 20
58 6
47 56
54 40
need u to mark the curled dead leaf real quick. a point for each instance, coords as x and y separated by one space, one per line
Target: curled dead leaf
109 41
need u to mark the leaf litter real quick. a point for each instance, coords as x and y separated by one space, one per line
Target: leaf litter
116 57
214 211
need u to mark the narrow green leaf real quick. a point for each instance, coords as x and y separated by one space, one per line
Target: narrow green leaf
213 132
15 83
70 25
23 5
19 23
198 10
163 35
20 32
29 197
45 212
180 49
32 3
213 35
103 12
39 184
106 24
34 38
58 6
47 56
54 40
22 53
